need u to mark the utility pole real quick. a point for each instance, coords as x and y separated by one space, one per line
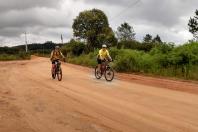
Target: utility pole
62 38
26 46
43 48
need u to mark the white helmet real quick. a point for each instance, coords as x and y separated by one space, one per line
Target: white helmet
104 46
57 47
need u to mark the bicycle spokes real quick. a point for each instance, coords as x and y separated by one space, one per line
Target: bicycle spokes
109 74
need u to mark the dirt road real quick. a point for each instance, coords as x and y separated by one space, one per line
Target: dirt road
30 101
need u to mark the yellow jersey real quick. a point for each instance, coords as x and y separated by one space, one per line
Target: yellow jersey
56 55
104 54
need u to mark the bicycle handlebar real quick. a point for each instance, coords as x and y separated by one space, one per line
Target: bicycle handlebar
105 60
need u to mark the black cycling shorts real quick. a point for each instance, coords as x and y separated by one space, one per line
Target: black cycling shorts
99 61
53 62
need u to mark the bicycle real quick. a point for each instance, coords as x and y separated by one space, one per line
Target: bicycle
105 70
57 71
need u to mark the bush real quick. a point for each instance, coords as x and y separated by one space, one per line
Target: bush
24 56
135 45
74 48
6 57
20 56
8 50
128 61
85 59
163 59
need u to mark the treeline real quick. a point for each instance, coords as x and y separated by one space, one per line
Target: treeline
39 48
48 45
19 52
13 53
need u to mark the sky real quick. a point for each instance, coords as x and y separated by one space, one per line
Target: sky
46 20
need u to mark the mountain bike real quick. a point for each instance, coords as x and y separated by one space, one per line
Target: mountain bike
105 70
57 71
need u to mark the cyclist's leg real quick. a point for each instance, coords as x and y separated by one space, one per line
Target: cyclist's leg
58 64
99 63
53 66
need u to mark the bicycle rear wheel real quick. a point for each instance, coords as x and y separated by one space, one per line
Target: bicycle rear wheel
109 74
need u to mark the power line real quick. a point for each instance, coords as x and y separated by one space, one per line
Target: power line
124 10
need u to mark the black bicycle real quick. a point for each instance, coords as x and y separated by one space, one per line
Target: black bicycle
57 71
105 70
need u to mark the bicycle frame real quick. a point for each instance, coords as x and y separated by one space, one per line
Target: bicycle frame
56 71
104 66
57 65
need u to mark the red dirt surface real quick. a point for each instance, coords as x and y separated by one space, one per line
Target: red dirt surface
30 101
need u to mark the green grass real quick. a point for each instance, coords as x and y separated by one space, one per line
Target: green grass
9 57
180 62
85 60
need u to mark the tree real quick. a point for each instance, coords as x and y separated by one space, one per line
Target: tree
125 32
193 25
107 37
73 47
93 26
147 38
157 39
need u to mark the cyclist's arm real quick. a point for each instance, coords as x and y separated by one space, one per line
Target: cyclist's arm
62 55
51 56
108 55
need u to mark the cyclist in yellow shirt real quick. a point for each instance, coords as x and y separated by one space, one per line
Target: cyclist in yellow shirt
56 55
103 55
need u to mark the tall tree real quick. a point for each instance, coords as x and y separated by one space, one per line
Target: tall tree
157 39
147 38
93 26
193 25
125 32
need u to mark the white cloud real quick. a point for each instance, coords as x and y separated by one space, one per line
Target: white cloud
27 4
47 19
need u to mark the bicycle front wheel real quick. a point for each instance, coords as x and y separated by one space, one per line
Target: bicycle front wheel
53 74
59 74
109 74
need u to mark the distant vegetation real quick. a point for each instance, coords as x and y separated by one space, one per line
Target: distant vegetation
18 52
9 57
152 56
13 53
163 60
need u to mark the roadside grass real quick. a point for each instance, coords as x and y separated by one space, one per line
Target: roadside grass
88 60
41 55
180 62
10 57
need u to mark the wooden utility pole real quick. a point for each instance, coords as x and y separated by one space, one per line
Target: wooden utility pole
62 38
26 46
